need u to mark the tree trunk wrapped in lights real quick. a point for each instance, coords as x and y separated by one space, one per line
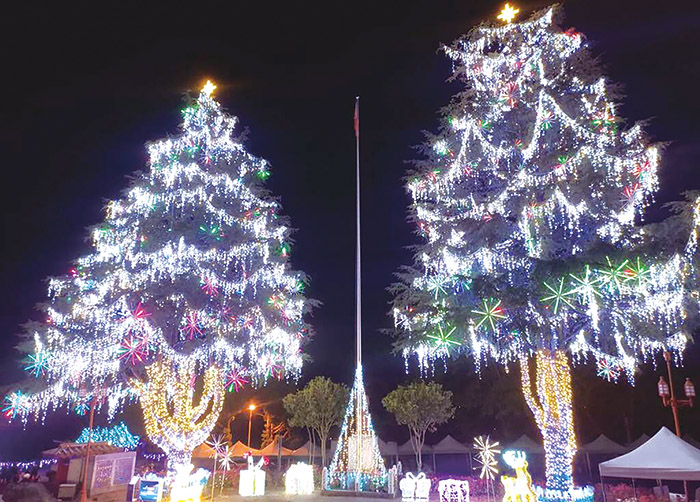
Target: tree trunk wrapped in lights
173 420
552 407
529 202
189 277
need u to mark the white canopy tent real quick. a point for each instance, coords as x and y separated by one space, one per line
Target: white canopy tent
664 456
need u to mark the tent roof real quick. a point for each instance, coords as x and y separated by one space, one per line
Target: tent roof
407 449
204 451
664 456
526 444
388 448
603 445
638 442
448 444
274 449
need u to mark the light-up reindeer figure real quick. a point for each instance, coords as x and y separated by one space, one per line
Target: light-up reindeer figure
518 488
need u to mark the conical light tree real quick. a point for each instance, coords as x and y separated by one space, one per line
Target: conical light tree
529 201
188 292
357 462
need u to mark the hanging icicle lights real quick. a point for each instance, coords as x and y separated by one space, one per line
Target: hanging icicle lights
190 266
529 202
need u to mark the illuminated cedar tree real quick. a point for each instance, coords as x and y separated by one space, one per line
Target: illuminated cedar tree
527 201
188 291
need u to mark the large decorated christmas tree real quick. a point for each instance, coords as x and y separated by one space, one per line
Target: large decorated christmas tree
529 201
188 292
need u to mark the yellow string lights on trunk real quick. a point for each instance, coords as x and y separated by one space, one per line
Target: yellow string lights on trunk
173 420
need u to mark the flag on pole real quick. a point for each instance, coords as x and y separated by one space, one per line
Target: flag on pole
357 117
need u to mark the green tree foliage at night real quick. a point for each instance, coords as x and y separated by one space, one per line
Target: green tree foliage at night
421 407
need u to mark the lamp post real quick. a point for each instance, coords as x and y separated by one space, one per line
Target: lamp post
668 397
251 409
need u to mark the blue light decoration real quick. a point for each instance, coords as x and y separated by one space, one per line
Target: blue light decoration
532 193
357 464
117 435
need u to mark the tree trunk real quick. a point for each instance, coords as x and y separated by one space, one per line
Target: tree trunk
178 425
323 438
552 408
417 449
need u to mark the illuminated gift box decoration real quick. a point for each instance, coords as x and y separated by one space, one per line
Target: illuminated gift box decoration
415 487
453 490
252 480
299 479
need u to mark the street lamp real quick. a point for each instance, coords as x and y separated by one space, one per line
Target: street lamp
251 409
668 397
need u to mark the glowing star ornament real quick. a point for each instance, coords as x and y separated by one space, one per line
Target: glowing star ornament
208 88
508 14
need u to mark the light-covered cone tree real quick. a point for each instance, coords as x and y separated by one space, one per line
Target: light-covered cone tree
421 407
188 291
529 200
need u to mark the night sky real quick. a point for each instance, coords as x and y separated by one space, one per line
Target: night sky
86 88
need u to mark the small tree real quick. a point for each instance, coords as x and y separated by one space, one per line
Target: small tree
318 406
420 406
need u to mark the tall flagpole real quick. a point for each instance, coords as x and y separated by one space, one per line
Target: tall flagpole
358 270
358 299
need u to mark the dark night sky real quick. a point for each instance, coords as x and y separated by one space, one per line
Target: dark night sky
85 89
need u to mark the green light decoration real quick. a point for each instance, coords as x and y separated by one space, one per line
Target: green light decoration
558 295
490 313
443 340
263 174
638 273
613 275
284 249
587 284
213 231
436 285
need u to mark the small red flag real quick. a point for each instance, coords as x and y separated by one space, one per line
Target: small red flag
357 117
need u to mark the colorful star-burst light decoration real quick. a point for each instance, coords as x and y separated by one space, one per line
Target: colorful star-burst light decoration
15 404
37 363
236 380
442 340
608 369
486 456
558 295
490 313
133 349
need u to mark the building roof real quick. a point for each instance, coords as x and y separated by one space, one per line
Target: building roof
74 450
